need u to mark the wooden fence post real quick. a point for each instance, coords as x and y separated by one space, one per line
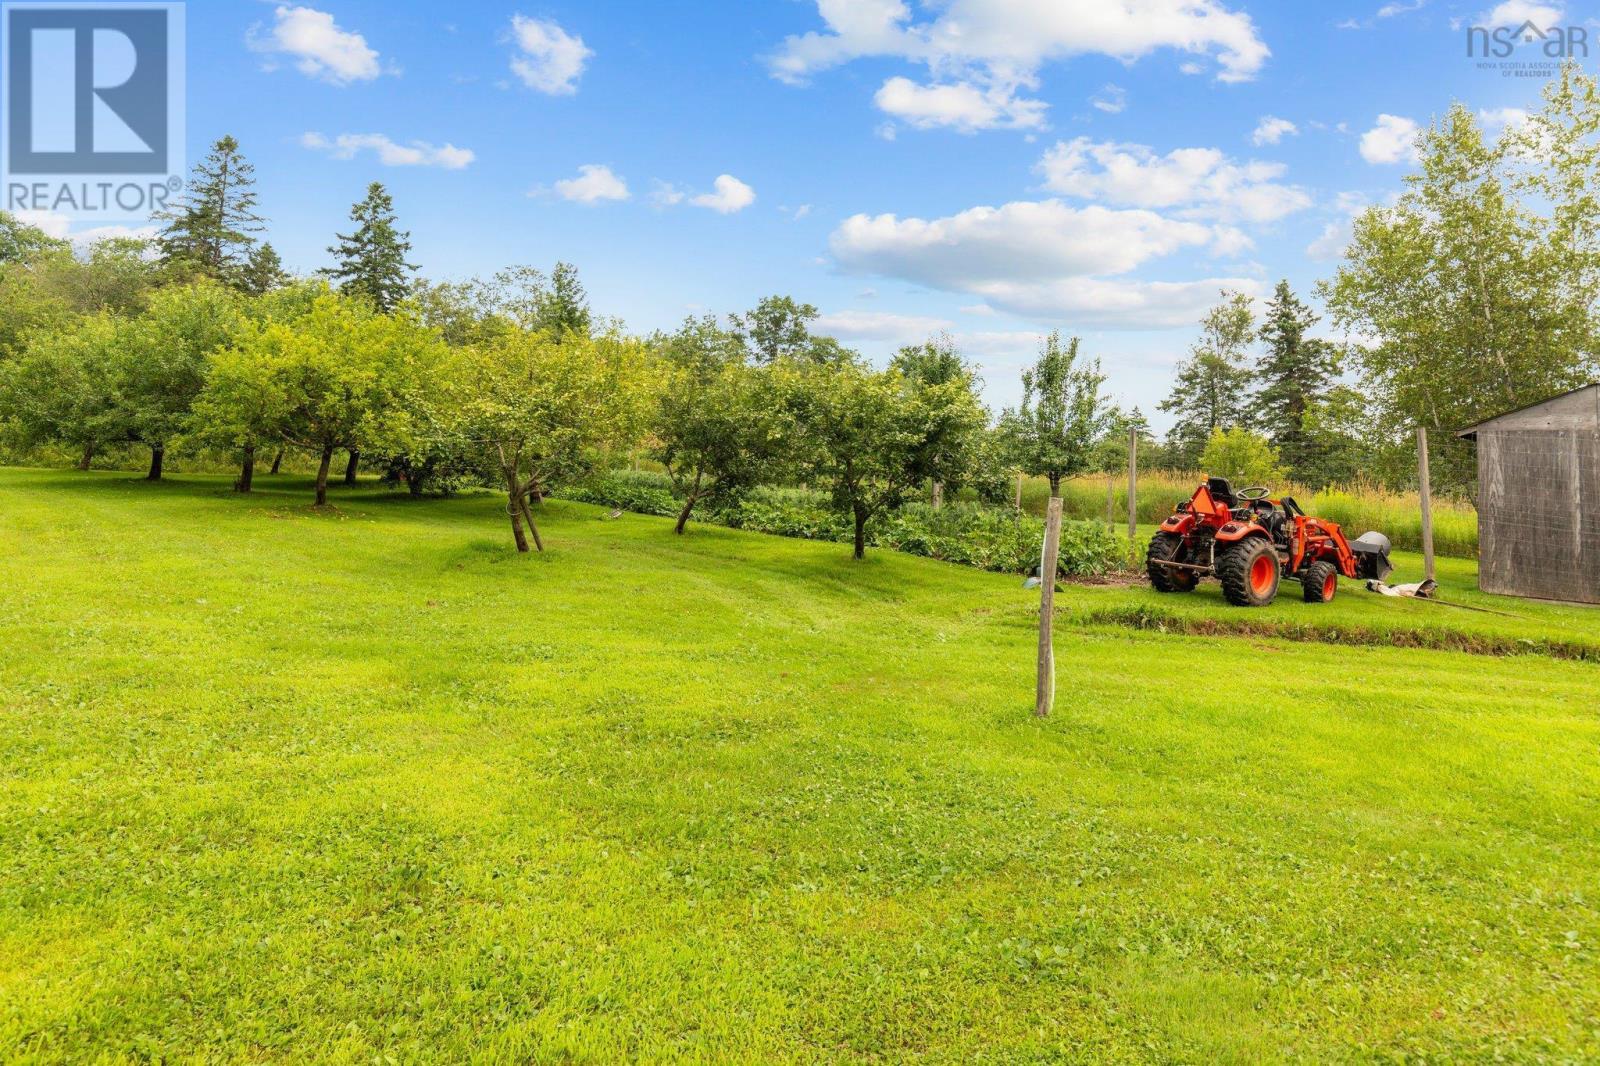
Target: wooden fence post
1133 491
1111 502
1045 693
1019 490
1425 495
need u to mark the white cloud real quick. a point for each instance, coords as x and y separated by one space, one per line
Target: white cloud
1201 181
390 154
1336 235
981 310
1011 41
53 223
593 184
1503 117
58 225
880 326
1019 241
1331 243
1389 11
1390 141
551 59
1229 241
1514 13
1271 130
665 194
319 47
1043 259
1113 100
729 196
1117 303
962 106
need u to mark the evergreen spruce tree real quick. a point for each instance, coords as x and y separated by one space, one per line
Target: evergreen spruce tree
564 307
263 272
1295 373
371 262
1213 387
209 229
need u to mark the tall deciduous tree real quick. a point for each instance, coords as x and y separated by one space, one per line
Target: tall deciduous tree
353 378
715 430
210 230
779 328
165 358
937 361
1213 387
63 388
1053 433
246 400
1295 373
1476 290
371 260
544 408
872 435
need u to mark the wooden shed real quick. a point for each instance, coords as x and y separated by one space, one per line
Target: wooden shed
1539 499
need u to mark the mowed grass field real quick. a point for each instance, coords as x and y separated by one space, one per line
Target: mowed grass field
356 786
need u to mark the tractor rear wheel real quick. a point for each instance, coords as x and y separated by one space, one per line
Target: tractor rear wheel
1249 573
1319 582
1168 547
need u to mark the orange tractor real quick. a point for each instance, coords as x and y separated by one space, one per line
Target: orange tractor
1250 543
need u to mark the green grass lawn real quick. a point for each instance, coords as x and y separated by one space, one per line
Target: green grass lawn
365 786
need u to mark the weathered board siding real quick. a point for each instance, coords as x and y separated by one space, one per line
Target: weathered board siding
1539 500
1539 513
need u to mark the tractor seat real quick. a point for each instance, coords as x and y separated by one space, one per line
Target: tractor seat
1222 492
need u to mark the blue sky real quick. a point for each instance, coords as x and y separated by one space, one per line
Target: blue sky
990 168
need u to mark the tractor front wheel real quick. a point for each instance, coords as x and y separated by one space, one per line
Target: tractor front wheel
1319 582
1167 548
1249 573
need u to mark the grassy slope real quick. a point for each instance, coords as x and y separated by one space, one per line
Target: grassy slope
279 784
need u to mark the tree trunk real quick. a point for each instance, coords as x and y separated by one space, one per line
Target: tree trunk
683 515
247 471
158 453
515 508
861 531
88 456
350 467
689 501
277 461
322 476
527 516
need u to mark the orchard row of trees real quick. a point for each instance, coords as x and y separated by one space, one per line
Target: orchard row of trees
203 341
511 380
1473 293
